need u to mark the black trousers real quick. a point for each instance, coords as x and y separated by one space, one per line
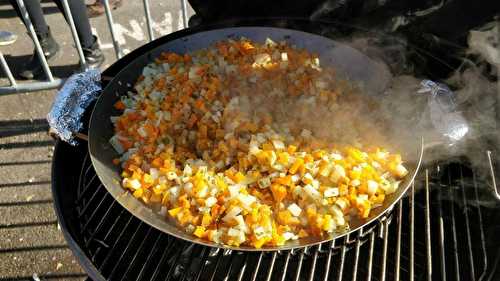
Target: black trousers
78 11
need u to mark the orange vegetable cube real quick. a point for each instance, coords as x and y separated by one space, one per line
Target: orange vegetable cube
206 220
199 231
119 105
291 149
279 192
175 211
299 162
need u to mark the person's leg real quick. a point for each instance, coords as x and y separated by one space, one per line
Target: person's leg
82 24
93 54
36 15
49 46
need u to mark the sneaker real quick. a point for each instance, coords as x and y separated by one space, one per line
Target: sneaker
33 68
97 8
93 55
7 38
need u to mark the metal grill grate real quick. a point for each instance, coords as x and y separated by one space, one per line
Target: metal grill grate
435 233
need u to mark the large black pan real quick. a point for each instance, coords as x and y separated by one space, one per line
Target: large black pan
348 61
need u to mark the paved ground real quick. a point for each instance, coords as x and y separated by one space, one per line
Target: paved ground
30 242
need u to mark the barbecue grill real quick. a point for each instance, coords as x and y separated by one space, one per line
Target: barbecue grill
444 229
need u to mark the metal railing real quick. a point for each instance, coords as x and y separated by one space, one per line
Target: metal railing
50 82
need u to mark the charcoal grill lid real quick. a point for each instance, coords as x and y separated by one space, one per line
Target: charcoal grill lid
353 64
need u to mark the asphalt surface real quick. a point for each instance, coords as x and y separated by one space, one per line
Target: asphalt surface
31 244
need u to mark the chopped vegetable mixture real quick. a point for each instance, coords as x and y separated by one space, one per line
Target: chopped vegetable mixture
206 138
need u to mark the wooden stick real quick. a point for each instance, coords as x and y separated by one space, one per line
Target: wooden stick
81 136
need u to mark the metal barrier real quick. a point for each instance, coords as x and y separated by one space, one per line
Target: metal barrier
50 81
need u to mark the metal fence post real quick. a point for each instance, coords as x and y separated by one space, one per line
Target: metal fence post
7 71
184 13
109 17
148 20
67 10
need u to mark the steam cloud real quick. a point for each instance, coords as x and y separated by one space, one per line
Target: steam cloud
477 98
395 115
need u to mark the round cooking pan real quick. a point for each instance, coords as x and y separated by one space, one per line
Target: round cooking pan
348 62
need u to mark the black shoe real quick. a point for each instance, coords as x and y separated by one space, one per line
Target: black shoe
33 67
93 55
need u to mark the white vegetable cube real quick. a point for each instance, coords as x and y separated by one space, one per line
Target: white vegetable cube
270 43
187 171
259 232
234 190
294 209
336 156
309 189
315 184
338 173
115 143
261 59
392 187
382 155
135 184
307 179
171 176
401 171
114 119
290 236
264 182
210 201
355 183
372 187
241 223
361 198
238 235
342 203
163 211
231 214
306 133
167 115
246 201
142 132
188 187
273 158
331 192
278 144
154 173
174 193
233 232
326 171
202 193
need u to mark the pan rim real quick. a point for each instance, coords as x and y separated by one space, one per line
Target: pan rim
189 237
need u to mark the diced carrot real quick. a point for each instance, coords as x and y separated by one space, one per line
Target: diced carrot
126 144
199 231
296 166
286 180
291 149
279 192
192 121
119 105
